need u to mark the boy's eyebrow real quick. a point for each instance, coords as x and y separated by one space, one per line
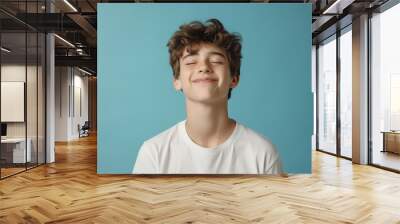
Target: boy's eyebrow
218 53
190 54
196 53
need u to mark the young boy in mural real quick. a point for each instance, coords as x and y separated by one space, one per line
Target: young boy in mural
205 59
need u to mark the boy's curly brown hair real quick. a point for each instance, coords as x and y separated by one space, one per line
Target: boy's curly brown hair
210 32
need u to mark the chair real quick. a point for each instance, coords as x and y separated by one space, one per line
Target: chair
84 130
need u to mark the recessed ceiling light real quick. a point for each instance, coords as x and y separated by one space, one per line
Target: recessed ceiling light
64 40
71 6
5 49
84 71
337 7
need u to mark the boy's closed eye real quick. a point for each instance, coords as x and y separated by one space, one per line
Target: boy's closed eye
190 62
217 59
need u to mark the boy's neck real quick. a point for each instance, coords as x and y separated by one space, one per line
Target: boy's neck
208 125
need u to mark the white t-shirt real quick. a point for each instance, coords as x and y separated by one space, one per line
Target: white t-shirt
173 152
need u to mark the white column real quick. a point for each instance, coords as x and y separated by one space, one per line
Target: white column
50 110
50 92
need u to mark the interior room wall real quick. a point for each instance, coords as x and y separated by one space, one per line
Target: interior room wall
29 75
62 80
70 83
16 72
79 116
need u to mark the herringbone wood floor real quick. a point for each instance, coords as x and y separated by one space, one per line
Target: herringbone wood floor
70 191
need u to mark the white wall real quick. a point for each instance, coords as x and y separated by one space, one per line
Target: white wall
9 73
33 127
62 81
79 117
71 87
16 73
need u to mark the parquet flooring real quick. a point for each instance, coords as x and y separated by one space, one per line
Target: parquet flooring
70 191
9 171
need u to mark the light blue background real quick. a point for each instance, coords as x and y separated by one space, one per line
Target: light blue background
136 99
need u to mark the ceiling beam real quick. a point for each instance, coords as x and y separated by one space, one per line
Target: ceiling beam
86 26
85 61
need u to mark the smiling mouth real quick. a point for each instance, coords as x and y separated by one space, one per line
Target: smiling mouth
205 80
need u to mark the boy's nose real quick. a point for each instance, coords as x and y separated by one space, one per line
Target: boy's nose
204 70
204 67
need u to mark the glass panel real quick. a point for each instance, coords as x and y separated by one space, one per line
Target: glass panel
327 96
386 89
31 100
23 88
395 102
346 94
13 87
314 82
41 99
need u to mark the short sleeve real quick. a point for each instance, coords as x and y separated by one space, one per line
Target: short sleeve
273 164
146 161
275 168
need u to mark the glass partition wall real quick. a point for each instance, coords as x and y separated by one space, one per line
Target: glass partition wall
22 88
326 60
13 88
334 94
385 89
345 61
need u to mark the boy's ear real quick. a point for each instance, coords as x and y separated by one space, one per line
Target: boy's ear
235 81
177 84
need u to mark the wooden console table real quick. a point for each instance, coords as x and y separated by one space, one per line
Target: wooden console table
391 141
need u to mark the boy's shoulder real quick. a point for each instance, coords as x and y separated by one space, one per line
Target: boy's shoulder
255 140
164 136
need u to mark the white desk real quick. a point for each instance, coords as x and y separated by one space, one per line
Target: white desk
18 150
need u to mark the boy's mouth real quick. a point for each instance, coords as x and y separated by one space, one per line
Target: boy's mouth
205 80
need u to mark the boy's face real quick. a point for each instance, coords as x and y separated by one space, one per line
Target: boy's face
205 74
